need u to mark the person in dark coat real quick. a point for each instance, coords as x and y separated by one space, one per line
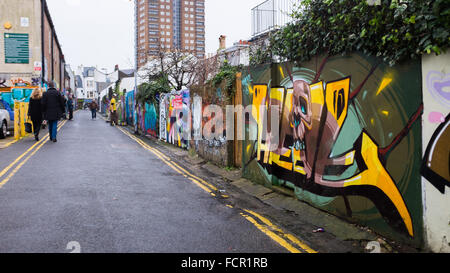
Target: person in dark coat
35 111
94 107
70 104
53 108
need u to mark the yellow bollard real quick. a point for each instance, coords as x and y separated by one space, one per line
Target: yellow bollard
22 120
16 120
25 112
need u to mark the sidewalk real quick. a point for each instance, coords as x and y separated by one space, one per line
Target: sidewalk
281 206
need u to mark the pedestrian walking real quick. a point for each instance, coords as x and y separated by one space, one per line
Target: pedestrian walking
70 104
35 111
64 114
113 111
53 109
94 107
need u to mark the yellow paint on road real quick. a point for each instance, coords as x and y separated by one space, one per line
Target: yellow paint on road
33 151
272 235
289 242
291 237
198 181
4 145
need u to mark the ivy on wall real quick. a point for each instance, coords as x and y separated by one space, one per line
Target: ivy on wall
226 75
394 31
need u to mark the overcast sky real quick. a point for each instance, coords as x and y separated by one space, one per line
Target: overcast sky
101 32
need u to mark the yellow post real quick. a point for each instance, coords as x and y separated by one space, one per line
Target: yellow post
16 120
22 119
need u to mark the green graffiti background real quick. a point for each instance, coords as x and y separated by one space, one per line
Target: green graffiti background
381 112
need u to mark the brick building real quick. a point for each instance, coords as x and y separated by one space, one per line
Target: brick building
30 52
169 25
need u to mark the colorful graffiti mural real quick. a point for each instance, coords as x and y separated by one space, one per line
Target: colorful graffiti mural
349 137
436 164
176 117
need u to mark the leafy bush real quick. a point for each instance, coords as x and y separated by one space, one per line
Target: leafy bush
147 92
394 31
226 73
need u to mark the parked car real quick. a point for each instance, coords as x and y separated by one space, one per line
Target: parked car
6 119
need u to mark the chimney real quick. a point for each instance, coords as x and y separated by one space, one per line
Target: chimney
116 67
222 40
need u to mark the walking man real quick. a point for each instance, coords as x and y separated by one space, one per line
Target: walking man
94 107
113 110
70 104
53 109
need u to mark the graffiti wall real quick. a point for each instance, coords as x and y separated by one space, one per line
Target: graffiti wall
175 115
350 138
129 102
436 147
215 149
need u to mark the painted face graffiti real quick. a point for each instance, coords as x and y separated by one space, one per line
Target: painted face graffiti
301 114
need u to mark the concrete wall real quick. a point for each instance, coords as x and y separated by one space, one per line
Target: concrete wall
436 148
12 11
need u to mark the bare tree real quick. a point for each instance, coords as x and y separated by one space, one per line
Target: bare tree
178 66
206 69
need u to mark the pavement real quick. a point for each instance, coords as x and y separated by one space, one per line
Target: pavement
104 190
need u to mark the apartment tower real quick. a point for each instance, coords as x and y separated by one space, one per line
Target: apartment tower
163 25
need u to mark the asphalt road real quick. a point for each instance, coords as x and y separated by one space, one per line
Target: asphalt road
99 188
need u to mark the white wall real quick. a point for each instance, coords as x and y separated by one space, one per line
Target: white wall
436 89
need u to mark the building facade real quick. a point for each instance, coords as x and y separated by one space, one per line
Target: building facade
163 25
30 53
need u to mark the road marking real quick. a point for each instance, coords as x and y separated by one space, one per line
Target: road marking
6 145
40 143
291 237
267 227
271 234
198 181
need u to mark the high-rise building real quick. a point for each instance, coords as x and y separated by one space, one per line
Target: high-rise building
163 25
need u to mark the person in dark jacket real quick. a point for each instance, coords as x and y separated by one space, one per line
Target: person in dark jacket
94 107
35 111
53 108
70 104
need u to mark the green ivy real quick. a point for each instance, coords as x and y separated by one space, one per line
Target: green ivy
394 31
147 92
227 74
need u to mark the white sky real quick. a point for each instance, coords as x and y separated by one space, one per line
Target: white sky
101 32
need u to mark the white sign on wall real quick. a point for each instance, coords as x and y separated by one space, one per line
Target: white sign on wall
24 21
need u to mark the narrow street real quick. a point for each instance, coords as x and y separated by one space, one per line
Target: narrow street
100 188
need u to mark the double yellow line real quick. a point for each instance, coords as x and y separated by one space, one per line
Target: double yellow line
30 152
286 240
196 180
